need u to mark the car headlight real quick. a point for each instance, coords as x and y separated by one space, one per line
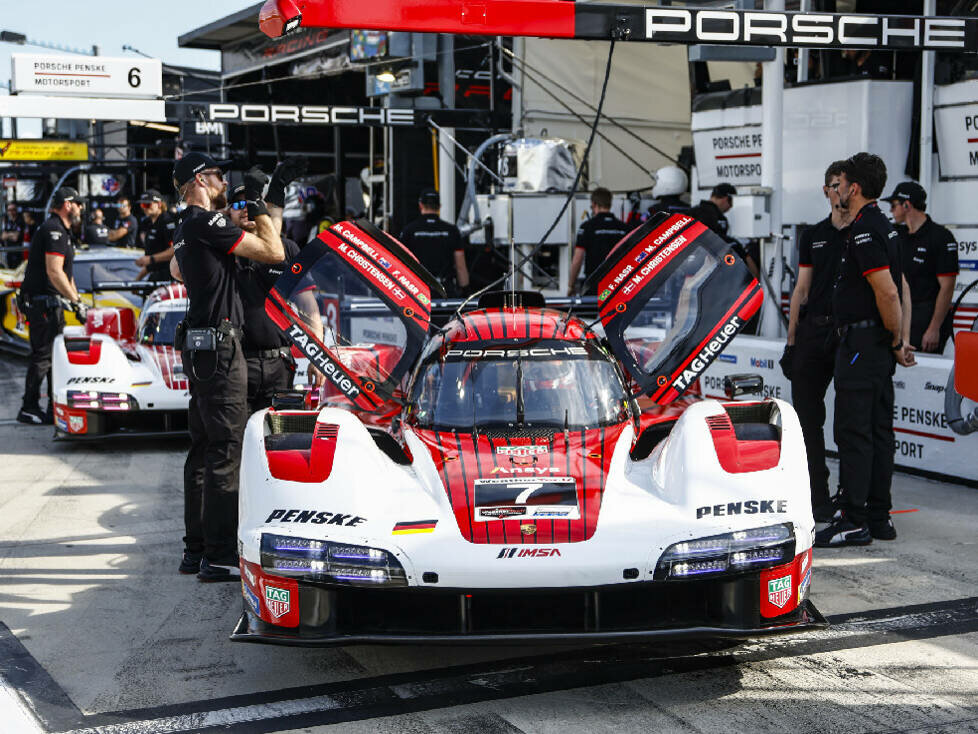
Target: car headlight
321 560
92 400
741 550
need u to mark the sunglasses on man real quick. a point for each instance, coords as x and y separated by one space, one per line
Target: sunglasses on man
239 205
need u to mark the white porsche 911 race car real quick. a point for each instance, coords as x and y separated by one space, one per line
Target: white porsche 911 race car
119 376
516 491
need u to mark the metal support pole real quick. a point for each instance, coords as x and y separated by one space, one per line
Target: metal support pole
803 53
772 98
446 159
926 175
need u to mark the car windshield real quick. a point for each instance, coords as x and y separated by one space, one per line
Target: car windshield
88 272
159 327
545 383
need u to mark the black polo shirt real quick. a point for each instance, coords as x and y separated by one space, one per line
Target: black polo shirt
51 238
158 236
871 244
709 214
820 248
597 236
255 280
204 248
132 231
97 234
927 253
434 243
14 225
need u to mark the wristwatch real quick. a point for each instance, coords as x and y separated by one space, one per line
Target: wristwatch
897 346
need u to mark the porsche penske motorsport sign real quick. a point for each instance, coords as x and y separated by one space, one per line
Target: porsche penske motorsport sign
598 21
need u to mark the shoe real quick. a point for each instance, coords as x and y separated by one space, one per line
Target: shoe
229 561
190 563
33 416
842 532
882 529
837 503
210 573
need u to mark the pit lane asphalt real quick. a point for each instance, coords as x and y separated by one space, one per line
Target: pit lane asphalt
99 633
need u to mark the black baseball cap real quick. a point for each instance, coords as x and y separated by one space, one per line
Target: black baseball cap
430 198
149 196
235 191
724 189
193 163
909 191
65 193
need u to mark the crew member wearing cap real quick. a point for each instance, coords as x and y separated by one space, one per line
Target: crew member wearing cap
206 244
809 357
437 244
47 280
867 309
269 361
595 238
157 237
126 227
930 263
712 212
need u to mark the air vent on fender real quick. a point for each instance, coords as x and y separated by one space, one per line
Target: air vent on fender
740 450
83 351
291 461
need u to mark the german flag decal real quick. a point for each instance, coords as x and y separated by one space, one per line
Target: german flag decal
417 526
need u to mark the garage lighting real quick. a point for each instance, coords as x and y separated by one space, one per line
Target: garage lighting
387 76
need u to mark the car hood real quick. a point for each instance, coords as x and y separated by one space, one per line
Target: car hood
506 490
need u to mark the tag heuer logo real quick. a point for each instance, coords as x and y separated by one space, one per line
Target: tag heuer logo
779 591
277 601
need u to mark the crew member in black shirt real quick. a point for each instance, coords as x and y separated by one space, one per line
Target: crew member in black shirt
126 229
867 310
712 212
157 237
595 239
269 361
437 244
12 235
97 233
48 276
809 357
206 244
930 264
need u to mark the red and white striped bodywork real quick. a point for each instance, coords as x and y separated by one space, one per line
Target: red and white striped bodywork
127 367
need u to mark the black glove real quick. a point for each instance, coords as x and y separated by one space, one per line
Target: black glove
787 360
285 173
256 207
80 309
254 183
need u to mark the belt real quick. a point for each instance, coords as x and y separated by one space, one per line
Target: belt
821 320
263 353
864 324
41 301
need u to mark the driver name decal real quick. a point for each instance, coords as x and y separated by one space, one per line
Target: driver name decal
318 356
368 267
707 354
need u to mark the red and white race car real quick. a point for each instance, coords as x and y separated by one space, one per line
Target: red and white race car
496 479
116 376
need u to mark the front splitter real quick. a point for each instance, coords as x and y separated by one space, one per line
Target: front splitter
811 619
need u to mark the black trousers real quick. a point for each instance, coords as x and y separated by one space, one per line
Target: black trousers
920 316
267 376
864 369
218 413
45 323
812 371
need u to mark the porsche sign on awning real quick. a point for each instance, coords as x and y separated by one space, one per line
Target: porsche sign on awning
43 150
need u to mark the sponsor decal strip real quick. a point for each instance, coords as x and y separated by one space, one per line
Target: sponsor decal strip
924 434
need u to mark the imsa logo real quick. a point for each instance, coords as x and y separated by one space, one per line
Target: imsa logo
278 601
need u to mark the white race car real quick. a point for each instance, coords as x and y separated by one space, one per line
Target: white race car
517 490
116 376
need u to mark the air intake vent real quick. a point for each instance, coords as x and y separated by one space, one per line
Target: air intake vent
719 423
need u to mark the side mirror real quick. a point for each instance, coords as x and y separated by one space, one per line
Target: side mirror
736 385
